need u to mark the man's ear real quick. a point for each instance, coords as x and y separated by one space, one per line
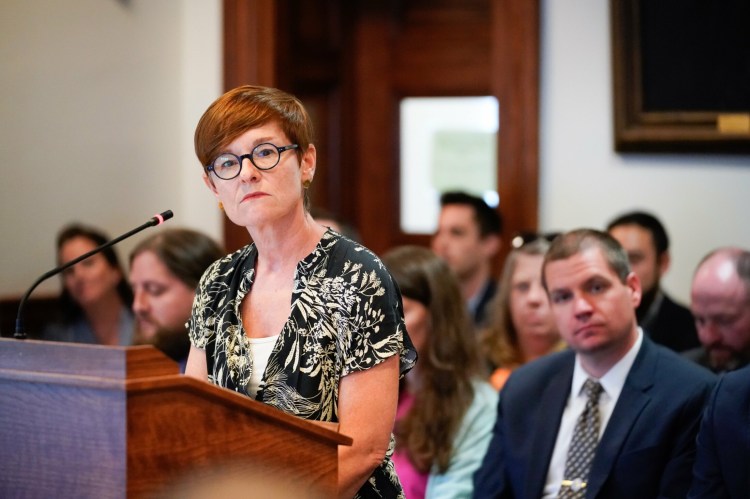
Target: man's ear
491 244
632 282
663 262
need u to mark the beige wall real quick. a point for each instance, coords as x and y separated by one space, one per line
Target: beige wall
100 99
99 102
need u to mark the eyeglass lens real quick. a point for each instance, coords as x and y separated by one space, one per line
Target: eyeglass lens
264 156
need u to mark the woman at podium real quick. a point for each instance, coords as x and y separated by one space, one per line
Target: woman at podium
302 319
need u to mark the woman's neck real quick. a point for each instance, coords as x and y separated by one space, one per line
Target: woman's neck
104 318
285 244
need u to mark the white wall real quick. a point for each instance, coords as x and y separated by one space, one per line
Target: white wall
703 200
99 102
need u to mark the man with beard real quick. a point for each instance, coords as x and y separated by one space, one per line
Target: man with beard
720 301
164 273
468 239
646 242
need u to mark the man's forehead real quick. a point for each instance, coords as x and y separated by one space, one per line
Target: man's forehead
720 292
582 266
458 215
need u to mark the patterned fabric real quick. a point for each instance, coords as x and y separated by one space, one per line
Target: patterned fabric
346 316
583 445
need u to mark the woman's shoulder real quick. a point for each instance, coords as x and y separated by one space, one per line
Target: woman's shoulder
484 394
232 261
354 255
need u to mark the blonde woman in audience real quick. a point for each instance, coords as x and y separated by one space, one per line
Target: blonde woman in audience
521 326
446 410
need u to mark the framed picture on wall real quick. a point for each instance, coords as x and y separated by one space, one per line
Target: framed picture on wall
681 73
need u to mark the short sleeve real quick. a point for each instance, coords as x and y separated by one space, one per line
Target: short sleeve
376 319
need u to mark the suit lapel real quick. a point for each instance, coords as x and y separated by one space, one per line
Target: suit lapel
552 402
633 399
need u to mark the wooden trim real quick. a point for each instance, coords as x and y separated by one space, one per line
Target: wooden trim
672 130
515 82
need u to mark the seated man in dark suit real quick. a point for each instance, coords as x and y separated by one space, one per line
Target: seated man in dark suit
720 302
646 242
722 466
616 415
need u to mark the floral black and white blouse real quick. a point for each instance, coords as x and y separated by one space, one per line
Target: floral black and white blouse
346 316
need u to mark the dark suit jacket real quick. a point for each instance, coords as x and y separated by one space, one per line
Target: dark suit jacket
480 313
722 466
647 449
673 326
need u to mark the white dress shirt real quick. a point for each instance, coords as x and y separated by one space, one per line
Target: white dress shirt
612 383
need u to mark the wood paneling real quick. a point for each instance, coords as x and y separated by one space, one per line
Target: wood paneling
352 62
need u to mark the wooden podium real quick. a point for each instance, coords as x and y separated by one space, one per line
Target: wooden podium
112 422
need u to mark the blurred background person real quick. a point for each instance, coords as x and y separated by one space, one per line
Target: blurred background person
445 410
302 319
468 238
521 325
96 300
164 272
328 219
720 302
646 242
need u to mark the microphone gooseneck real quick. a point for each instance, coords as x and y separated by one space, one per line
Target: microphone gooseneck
155 220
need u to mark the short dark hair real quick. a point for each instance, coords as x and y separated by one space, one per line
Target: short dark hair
576 241
646 221
489 219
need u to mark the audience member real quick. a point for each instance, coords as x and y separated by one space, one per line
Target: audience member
164 272
646 242
302 319
96 299
445 410
616 415
723 459
468 238
720 302
521 327
328 219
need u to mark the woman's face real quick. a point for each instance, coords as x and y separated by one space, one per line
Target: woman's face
90 280
255 197
161 301
529 306
417 318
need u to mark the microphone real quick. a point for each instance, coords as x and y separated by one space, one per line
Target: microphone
155 220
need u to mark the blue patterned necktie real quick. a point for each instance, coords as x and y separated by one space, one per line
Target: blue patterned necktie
582 446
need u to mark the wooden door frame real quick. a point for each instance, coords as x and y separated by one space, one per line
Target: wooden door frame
250 56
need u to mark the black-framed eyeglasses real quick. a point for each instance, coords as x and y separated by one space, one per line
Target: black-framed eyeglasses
524 238
263 157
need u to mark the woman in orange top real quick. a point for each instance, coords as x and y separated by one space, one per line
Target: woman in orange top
521 327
